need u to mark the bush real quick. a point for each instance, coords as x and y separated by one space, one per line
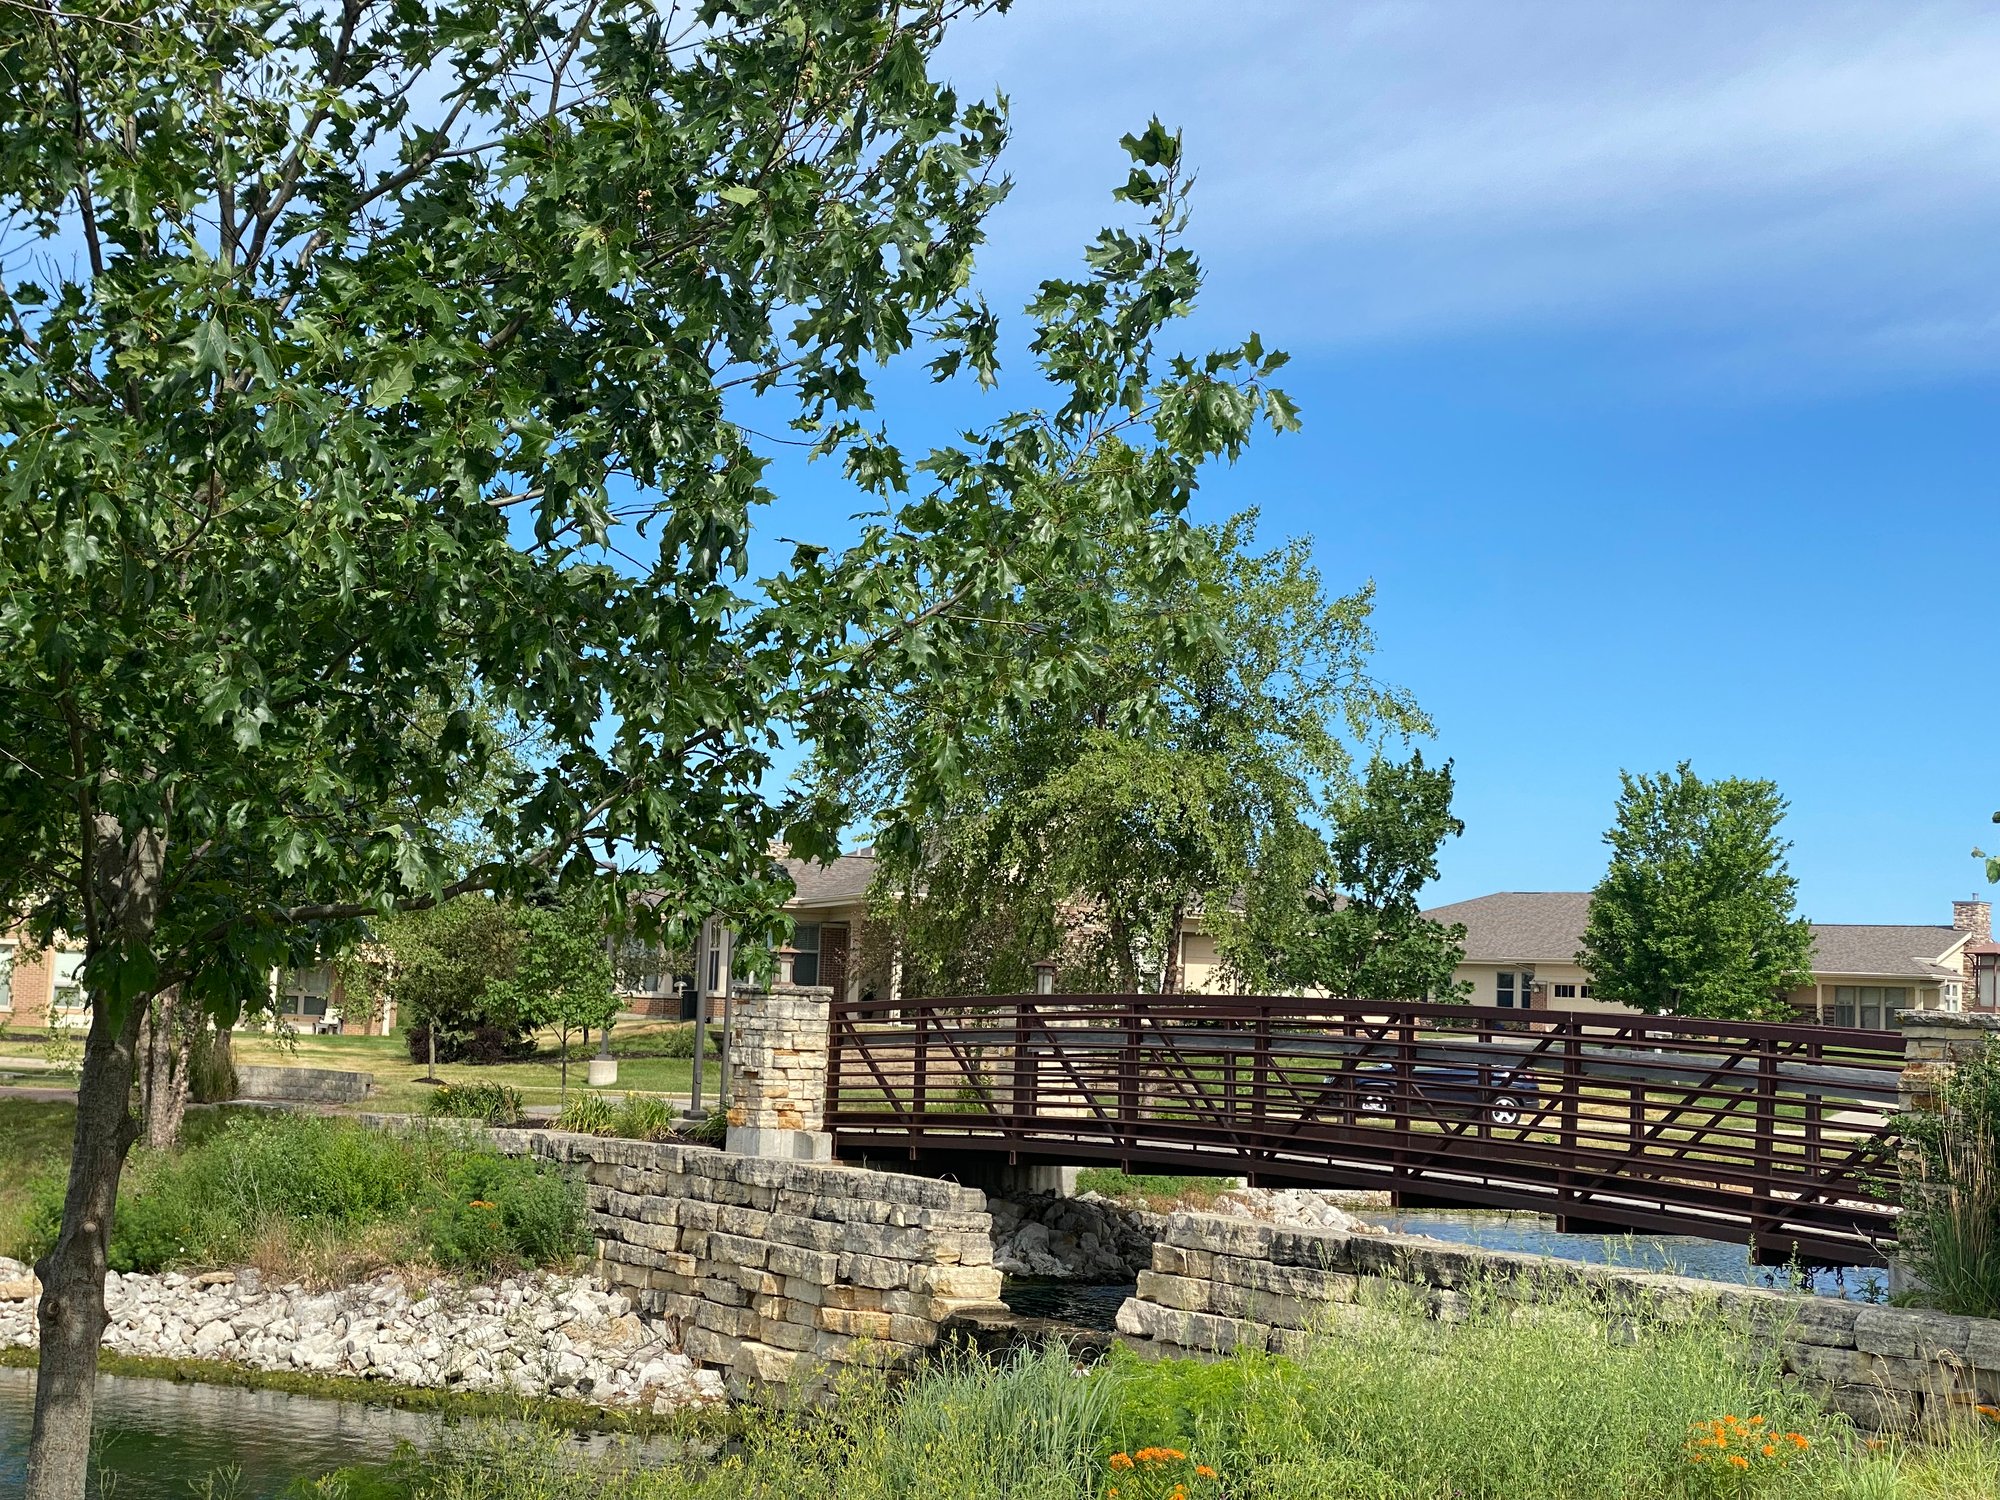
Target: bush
494 1103
588 1114
645 1118
499 1208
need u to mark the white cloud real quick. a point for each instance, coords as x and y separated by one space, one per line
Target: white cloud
1774 176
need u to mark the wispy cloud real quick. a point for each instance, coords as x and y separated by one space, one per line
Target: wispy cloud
1756 180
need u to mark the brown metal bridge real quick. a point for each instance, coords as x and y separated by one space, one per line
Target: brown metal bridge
1770 1135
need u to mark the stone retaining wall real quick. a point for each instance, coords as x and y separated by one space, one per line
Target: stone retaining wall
1220 1284
301 1085
776 1270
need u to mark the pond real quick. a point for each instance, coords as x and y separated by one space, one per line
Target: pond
161 1440
1682 1254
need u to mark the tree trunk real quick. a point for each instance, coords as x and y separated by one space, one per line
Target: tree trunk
166 1042
72 1316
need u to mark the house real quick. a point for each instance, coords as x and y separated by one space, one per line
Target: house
1521 947
39 984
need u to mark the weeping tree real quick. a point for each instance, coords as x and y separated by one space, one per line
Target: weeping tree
386 360
1179 770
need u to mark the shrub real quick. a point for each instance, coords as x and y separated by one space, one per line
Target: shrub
711 1130
494 1103
645 1118
498 1209
588 1114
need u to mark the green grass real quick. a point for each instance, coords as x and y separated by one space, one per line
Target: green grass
36 1138
1564 1404
1158 1192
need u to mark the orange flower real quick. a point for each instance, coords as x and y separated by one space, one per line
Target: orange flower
1204 1471
1739 1460
1121 1460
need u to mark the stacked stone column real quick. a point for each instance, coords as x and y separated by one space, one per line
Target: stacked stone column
777 1080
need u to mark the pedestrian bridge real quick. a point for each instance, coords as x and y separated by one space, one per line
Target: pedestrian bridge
1772 1135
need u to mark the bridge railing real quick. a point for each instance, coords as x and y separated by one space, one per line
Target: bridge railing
1767 1133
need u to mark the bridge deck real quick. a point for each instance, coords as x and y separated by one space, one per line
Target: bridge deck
1773 1135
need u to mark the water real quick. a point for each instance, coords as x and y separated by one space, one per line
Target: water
159 1440
1682 1254
1085 1304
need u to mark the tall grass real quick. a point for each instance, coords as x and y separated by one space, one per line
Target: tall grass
1562 1403
1950 1234
300 1192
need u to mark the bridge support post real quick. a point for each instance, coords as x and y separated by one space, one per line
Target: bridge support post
777 1084
1933 1042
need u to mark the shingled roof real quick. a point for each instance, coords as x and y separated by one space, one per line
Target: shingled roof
845 882
1547 927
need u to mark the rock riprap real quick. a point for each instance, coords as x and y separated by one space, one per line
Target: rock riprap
534 1334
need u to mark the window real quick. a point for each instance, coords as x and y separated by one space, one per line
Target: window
1503 988
1565 992
805 966
1872 1007
68 983
1586 992
6 976
306 991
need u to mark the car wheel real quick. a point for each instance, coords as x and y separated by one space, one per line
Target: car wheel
1506 1110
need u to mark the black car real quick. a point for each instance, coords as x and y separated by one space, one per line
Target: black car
1508 1096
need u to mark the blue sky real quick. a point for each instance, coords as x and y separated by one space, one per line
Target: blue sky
1648 355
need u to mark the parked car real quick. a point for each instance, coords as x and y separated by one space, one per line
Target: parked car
1509 1096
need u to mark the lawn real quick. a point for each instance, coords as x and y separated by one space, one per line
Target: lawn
37 1136
398 1090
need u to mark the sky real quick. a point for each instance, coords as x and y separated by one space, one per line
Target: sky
1648 356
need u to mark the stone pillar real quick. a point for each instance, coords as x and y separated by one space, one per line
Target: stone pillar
1933 1041
777 1081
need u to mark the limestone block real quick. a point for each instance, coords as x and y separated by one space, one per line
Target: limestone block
722 1291
735 1250
751 1223
1225 1236
735 1321
705 1346
811 1234
1822 1320
762 1364
1185 1293
1172 1260
1886 1330
1269 1308
784 1334
1829 1365
873 1325
853 1298
873 1271
820 1266
981 1282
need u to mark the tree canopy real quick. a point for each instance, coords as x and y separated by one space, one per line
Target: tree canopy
386 358
1188 769
1696 914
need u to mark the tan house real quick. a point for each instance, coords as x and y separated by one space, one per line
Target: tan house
1521 946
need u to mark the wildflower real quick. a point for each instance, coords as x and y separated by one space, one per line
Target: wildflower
1204 1471
1121 1460
1770 1450
1739 1460
1799 1440
483 1203
1991 1413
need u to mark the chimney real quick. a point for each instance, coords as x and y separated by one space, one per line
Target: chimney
1975 917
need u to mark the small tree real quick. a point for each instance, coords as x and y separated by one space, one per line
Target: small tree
562 977
1695 916
1362 934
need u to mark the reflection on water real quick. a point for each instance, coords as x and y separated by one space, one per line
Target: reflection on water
158 1440
1682 1254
